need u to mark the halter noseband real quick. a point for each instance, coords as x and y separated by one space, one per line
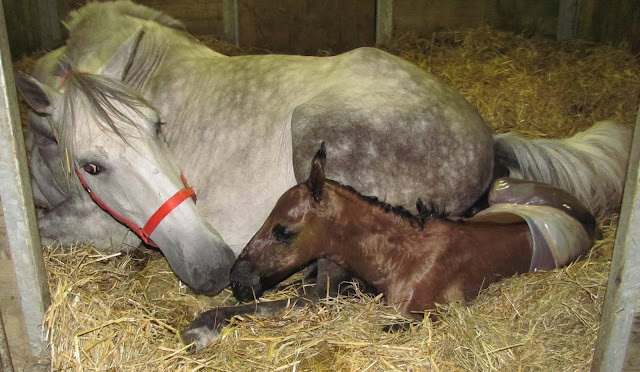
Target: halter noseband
166 208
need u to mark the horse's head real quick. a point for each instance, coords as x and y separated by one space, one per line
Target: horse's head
111 139
292 236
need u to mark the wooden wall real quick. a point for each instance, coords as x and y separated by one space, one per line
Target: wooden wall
610 21
307 26
427 16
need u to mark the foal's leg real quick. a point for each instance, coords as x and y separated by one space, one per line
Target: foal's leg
206 328
327 276
332 279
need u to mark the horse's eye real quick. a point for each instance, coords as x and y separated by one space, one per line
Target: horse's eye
282 235
92 169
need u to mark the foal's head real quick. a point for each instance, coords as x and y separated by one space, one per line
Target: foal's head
297 230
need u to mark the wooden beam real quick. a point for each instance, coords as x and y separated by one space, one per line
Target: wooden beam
6 365
230 20
384 21
623 287
49 24
567 19
17 204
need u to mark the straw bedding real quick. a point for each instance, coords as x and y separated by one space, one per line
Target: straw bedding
123 313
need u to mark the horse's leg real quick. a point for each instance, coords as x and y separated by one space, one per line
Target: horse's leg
206 328
80 220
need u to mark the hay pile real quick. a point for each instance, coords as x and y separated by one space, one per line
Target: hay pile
123 313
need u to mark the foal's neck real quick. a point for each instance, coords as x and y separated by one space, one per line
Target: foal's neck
375 242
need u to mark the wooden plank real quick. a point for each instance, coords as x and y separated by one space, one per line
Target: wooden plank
202 17
567 19
17 204
308 27
11 315
6 365
231 23
623 287
384 21
50 32
632 359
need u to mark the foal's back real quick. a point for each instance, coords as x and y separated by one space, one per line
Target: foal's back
417 263
462 258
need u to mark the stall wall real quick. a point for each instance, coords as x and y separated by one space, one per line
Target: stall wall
309 26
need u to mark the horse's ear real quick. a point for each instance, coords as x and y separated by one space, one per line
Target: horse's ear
316 178
40 97
118 66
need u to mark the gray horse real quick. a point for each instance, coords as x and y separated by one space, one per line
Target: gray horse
243 128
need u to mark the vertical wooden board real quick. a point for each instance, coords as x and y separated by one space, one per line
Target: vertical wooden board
533 17
384 21
428 16
50 34
12 318
623 286
622 22
230 21
567 19
632 359
20 25
610 21
18 207
306 26
424 17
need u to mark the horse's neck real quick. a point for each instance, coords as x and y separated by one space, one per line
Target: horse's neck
375 243
160 56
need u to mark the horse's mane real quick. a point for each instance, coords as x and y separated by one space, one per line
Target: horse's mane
101 100
98 29
119 8
418 220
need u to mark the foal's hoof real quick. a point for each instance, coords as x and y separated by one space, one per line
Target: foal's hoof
205 330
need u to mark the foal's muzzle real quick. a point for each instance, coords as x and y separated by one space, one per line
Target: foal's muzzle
245 283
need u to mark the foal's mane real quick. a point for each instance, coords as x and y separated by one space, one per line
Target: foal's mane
416 220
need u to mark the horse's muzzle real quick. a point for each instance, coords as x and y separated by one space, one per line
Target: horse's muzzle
245 283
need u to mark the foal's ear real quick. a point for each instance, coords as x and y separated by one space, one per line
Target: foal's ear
316 178
42 98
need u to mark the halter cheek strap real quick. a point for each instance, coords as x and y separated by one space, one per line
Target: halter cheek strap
166 208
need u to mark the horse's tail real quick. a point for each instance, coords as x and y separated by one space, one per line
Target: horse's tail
591 165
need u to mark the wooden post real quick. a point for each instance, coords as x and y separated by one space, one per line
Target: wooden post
384 21
623 287
567 19
17 204
50 34
6 365
230 20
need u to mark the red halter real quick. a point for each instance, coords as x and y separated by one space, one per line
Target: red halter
166 208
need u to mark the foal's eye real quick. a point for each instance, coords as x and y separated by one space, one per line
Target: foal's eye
281 234
92 169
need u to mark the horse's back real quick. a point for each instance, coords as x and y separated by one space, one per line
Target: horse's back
395 131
